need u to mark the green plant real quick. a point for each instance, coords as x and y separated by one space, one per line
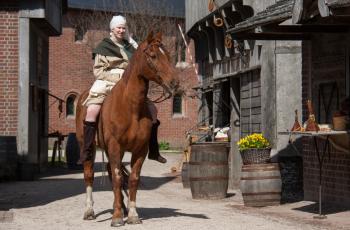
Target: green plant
253 141
163 145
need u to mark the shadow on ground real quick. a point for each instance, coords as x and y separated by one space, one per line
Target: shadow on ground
61 169
155 213
326 209
51 187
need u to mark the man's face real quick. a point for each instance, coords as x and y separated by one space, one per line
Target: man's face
119 32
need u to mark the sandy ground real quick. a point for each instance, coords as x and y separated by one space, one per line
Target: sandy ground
56 201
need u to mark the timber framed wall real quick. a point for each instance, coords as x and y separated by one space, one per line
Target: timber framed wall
254 69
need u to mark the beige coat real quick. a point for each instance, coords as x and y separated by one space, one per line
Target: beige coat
108 71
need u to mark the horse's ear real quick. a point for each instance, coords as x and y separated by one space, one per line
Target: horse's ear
159 36
150 37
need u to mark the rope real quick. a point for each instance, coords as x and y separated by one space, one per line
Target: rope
189 52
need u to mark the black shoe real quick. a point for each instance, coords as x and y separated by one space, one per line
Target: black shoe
153 148
160 159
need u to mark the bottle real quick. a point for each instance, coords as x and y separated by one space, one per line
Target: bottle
311 121
296 126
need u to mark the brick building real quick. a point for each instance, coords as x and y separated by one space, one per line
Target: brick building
24 31
71 72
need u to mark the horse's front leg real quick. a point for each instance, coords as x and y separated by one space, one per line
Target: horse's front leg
89 180
125 176
137 160
115 159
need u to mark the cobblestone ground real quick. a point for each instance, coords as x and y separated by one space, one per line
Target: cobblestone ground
56 201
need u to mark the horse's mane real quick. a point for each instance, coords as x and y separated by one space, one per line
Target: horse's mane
126 74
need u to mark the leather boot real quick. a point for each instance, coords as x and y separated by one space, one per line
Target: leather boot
89 139
153 148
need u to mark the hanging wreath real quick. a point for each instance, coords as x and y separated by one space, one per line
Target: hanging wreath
218 21
228 41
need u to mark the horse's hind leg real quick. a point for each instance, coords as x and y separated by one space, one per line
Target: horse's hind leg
89 180
134 179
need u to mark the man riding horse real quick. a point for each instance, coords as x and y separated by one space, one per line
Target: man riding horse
126 117
112 57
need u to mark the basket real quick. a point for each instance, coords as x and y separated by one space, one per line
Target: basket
255 156
340 123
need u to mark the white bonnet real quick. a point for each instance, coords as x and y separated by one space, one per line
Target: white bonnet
117 21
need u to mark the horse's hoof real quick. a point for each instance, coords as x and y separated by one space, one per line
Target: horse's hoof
118 222
89 214
133 220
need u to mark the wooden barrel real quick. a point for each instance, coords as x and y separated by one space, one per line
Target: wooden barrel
208 171
261 184
184 175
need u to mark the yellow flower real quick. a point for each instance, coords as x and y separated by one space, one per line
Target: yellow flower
254 140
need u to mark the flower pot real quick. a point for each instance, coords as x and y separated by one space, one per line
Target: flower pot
255 156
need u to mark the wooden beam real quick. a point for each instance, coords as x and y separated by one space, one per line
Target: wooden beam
341 11
338 3
308 28
304 10
298 11
271 36
323 8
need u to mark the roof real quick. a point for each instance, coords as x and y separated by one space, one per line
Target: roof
275 13
170 8
338 3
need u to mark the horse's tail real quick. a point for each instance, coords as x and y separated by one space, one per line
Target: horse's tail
79 119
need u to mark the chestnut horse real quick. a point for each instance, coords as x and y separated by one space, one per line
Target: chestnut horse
125 123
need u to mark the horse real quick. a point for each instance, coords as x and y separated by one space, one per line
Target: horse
125 122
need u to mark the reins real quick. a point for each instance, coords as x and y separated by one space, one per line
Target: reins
166 92
162 97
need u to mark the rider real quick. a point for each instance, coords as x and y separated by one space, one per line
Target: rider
112 56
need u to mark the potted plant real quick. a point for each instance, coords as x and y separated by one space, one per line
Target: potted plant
254 149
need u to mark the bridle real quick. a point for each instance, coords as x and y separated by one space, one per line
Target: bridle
166 91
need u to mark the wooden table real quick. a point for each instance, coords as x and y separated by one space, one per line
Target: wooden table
320 156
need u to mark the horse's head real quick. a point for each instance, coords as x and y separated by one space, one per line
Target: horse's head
157 65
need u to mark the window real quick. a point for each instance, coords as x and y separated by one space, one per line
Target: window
70 106
250 102
177 104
